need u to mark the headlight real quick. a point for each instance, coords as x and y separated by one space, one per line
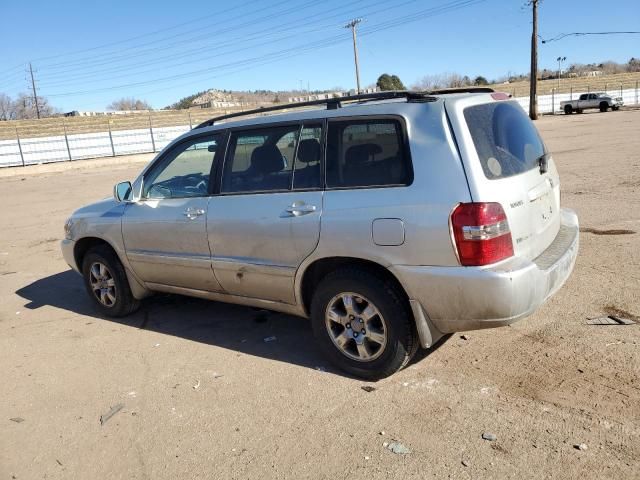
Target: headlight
68 226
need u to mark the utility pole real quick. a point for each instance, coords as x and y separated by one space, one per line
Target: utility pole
352 25
33 86
533 80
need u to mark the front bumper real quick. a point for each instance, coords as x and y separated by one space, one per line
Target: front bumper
67 246
469 298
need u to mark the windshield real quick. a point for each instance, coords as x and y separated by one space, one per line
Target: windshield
506 140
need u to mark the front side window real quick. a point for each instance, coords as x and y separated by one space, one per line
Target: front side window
366 153
505 139
184 171
260 160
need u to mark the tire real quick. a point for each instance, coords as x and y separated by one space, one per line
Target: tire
568 109
615 108
393 322
604 106
579 110
102 268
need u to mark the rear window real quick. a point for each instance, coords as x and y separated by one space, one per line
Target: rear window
506 140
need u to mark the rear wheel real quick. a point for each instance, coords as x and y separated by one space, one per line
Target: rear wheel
362 323
107 284
578 110
604 106
568 109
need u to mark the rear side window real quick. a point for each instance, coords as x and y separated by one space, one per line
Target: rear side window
506 140
366 153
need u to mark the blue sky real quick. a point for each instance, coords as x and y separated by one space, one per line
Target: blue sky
87 54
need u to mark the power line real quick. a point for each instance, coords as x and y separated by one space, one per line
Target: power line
285 53
581 34
60 79
264 33
120 42
250 64
217 47
127 54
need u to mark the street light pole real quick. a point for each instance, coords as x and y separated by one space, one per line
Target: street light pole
560 60
352 25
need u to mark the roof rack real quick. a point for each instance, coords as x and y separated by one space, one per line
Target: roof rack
334 103
331 103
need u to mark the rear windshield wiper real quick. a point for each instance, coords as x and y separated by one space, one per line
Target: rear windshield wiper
543 162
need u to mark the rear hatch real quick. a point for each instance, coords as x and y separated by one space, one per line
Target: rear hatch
507 162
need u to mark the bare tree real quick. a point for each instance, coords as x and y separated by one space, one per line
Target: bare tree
129 104
442 80
6 107
23 108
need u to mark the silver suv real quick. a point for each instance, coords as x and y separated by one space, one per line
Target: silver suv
388 219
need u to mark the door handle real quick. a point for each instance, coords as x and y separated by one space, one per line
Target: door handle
297 210
193 213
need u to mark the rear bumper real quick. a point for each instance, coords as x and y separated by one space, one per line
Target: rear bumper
469 298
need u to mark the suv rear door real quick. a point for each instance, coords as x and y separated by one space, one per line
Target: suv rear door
502 150
266 218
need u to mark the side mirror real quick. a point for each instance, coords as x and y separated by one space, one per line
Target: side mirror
122 192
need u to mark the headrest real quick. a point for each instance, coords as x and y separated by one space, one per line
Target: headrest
266 159
309 150
361 154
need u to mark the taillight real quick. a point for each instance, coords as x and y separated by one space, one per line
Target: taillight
481 233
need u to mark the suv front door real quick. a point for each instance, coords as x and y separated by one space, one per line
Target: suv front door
165 233
266 219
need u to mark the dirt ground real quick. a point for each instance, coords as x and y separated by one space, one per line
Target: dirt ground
205 397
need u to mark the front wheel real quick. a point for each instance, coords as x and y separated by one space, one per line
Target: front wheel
604 106
106 282
362 323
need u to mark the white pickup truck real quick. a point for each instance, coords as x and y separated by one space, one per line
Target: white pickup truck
591 100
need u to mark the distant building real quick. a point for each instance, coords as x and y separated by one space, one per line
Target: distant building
215 99
76 113
328 95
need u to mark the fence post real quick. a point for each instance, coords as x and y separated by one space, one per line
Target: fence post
620 90
606 90
636 92
571 92
20 146
153 141
113 150
66 139
553 101
190 124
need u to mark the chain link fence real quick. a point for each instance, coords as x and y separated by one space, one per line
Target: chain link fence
61 139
